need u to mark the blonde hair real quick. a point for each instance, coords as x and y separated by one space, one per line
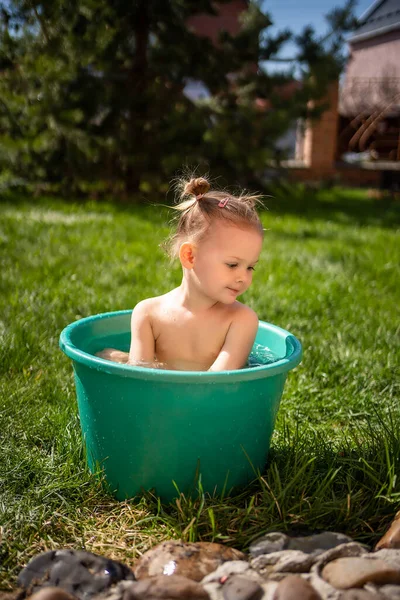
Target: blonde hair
199 207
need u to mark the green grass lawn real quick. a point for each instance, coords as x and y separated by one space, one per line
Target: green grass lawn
329 273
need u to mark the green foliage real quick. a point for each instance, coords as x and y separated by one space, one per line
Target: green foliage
95 91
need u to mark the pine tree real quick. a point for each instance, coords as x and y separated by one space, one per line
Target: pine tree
92 92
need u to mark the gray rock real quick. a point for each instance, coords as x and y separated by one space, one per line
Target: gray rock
115 592
264 560
353 572
82 574
294 561
319 542
241 588
271 542
214 590
285 561
358 594
389 555
324 589
231 567
269 588
390 591
213 582
295 587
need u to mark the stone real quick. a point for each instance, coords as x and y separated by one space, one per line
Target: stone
51 593
294 587
240 588
269 589
352 549
264 563
79 573
163 586
271 542
193 559
391 539
267 560
214 590
214 582
390 591
390 555
318 543
322 587
115 592
358 594
344 573
232 567
285 561
294 561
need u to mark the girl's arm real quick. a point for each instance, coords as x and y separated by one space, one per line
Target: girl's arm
238 342
142 347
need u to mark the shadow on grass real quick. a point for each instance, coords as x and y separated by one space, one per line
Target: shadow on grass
309 485
340 205
348 206
146 208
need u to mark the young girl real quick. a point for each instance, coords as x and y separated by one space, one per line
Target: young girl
200 325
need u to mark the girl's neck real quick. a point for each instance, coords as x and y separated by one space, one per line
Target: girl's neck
192 299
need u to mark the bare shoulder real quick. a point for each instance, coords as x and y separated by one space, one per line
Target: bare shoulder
145 308
149 306
244 314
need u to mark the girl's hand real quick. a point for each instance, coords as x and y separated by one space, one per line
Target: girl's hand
238 342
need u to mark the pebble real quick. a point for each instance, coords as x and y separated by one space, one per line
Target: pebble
289 561
361 595
294 587
269 588
232 567
240 588
391 591
390 556
193 560
323 588
391 539
326 566
344 573
294 561
317 543
161 586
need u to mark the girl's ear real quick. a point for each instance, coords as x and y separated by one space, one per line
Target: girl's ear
186 255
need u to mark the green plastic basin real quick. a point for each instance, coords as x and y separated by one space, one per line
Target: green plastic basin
148 428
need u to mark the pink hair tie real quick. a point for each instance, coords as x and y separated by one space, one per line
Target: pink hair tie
222 203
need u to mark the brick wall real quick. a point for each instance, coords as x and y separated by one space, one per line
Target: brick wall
320 151
320 139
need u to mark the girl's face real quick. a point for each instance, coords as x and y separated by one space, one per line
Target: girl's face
224 261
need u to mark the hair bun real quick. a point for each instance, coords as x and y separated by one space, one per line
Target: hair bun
197 186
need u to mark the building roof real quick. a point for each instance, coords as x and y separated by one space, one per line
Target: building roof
381 17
